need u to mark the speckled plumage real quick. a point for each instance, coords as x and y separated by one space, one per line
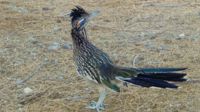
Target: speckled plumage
95 65
89 60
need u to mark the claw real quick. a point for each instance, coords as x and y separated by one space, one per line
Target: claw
94 105
98 105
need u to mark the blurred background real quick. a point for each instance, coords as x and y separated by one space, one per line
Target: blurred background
37 73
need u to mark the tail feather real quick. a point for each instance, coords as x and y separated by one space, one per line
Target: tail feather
164 76
148 82
161 69
148 77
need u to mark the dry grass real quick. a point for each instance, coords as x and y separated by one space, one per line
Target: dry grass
163 32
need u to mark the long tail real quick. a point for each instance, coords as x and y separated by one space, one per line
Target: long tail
148 77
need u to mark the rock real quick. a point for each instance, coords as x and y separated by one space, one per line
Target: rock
67 45
19 81
182 35
28 90
54 46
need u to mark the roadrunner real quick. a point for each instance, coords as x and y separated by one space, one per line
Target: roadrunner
96 66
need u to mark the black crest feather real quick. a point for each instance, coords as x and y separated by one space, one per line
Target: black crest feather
77 13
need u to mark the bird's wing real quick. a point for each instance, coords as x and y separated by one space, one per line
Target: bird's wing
107 75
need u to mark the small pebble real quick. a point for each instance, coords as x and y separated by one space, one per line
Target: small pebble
28 90
19 81
182 35
54 46
67 46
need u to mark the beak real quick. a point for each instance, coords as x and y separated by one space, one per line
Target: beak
93 14
83 22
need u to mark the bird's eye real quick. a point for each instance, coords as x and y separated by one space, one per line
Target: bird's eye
81 22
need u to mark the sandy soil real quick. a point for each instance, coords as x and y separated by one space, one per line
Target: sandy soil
36 53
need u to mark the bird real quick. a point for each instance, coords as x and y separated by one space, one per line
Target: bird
96 66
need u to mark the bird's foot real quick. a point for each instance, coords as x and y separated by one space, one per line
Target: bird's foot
125 84
95 105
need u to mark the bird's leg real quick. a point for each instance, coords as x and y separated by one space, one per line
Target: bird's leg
125 84
101 98
99 104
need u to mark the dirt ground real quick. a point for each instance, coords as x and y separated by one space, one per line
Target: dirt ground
37 73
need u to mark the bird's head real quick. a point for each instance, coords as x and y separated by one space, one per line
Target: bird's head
80 17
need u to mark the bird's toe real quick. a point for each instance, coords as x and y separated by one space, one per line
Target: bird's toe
94 105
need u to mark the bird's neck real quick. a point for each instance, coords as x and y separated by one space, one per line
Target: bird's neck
79 37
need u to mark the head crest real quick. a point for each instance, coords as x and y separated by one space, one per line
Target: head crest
77 13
